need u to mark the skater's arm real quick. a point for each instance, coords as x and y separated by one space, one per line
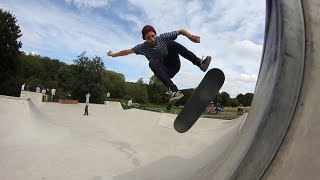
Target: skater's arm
120 53
192 38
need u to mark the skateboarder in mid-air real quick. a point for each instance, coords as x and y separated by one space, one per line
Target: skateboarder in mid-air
163 55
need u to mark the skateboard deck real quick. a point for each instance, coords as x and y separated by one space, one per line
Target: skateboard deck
200 99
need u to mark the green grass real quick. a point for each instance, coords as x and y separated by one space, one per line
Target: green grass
228 113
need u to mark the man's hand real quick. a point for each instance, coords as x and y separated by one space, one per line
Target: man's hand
110 53
194 38
120 53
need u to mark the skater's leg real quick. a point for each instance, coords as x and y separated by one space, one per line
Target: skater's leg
173 64
162 74
175 48
161 71
86 110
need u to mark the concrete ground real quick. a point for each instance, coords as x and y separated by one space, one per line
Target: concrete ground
278 139
56 141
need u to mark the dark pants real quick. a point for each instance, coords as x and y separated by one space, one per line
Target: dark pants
86 111
170 66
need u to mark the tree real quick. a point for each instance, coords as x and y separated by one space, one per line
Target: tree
240 98
217 99
136 91
66 77
140 81
234 102
9 52
114 83
157 91
225 99
89 79
248 99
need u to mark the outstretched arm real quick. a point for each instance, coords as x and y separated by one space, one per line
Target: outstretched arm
120 53
193 38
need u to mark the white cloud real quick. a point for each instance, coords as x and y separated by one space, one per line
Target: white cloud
53 30
245 47
247 78
88 3
30 53
34 53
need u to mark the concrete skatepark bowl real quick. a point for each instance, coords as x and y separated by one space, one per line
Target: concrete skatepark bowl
278 139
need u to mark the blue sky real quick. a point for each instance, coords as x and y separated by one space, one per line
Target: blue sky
231 32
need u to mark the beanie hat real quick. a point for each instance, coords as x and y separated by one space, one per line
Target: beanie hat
146 29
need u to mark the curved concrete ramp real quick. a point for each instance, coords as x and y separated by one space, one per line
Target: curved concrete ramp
113 105
40 140
297 157
278 138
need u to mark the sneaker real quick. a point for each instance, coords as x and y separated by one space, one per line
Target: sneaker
169 92
175 97
205 63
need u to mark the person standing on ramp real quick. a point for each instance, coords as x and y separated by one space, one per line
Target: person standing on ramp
87 104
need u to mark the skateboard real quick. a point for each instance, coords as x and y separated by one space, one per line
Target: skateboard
200 99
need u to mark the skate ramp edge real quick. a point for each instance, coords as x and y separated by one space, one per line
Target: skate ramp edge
114 105
35 97
268 138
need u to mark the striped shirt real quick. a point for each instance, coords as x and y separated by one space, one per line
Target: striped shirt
159 50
